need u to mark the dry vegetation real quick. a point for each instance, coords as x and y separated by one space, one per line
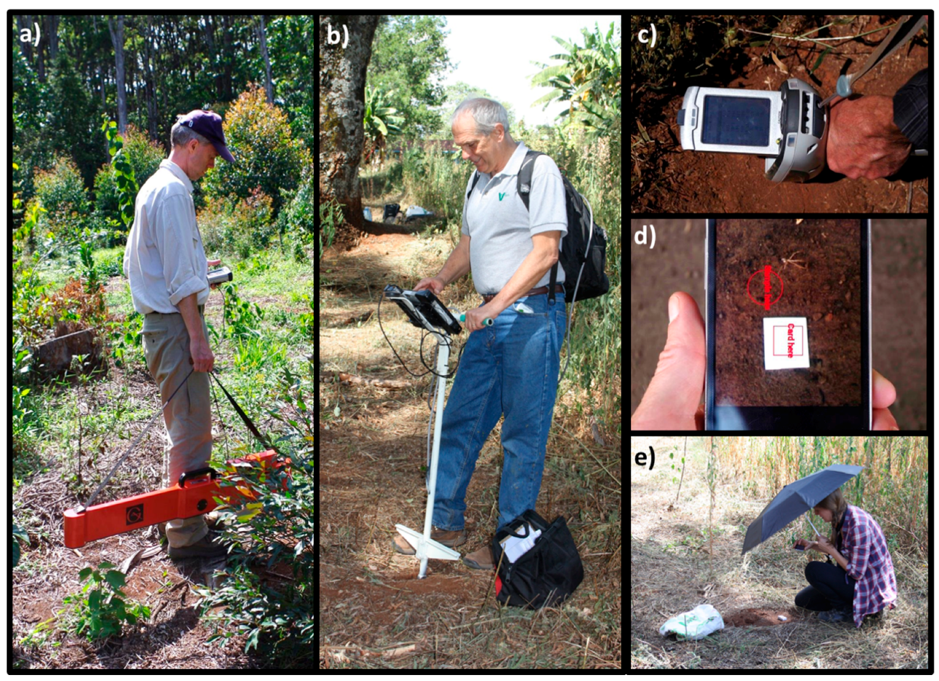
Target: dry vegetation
674 567
374 613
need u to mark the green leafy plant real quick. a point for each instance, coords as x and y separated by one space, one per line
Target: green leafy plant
268 156
330 220
242 317
589 78
122 171
380 121
61 192
18 536
102 609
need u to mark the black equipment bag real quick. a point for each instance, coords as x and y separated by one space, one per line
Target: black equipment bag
547 573
583 251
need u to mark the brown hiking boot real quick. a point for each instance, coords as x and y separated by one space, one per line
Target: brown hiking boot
450 538
480 559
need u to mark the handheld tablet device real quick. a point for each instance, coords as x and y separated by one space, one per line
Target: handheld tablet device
786 127
788 324
424 309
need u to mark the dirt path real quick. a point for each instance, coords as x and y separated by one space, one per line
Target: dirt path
373 610
676 181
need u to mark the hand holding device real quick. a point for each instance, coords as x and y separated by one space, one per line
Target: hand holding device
672 400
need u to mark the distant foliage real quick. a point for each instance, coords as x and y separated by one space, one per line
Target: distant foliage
268 157
62 194
241 227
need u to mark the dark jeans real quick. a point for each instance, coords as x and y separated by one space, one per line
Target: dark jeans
828 588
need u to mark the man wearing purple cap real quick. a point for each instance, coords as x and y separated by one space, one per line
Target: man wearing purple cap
167 268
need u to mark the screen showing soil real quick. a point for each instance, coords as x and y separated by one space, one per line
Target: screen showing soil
787 313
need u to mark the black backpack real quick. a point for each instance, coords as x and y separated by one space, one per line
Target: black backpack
583 253
547 573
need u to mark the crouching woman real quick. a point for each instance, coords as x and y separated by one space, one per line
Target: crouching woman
861 581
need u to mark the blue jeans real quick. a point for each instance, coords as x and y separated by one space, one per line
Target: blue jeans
508 368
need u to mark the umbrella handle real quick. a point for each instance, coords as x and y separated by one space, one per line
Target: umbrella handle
814 528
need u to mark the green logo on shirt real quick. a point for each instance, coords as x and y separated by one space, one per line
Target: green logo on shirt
501 196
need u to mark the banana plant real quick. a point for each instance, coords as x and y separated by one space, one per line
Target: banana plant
381 120
590 78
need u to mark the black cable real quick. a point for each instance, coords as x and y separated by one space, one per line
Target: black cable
423 361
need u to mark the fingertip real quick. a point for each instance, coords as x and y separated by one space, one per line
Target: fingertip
884 393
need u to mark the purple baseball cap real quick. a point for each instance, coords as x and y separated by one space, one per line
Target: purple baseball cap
209 125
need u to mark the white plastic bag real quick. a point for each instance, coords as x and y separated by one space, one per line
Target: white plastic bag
694 625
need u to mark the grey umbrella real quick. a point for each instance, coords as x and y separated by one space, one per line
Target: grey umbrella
795 499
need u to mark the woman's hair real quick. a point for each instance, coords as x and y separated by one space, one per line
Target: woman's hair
485 112
837 504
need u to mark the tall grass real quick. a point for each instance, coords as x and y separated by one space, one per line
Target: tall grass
893 487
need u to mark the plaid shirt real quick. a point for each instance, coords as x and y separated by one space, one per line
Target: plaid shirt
864 546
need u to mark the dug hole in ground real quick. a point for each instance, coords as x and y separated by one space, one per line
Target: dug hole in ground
674 569
374 612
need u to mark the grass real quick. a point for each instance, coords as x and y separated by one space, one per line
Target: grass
672 572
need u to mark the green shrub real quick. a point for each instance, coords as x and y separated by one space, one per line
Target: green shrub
268 157
101 609
275 611
298 217
62 194
144 156
240 227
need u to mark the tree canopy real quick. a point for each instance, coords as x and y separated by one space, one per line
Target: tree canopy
408 61
172 64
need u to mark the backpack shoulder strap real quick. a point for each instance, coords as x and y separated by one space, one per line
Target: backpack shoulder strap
524 176
473 184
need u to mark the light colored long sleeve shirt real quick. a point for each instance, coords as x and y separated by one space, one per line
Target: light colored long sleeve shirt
164 258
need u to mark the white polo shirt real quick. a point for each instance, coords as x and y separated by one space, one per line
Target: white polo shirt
500 227
164 258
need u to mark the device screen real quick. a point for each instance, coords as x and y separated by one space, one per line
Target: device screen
788 319
740 121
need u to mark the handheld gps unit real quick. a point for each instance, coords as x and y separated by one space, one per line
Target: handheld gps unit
424 310
787 127
220 276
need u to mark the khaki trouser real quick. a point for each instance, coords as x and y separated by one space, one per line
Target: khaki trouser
188 417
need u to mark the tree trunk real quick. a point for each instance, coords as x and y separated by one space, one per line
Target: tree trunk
228 57
268 82
342 109
153 124
117 37
26 21
52 30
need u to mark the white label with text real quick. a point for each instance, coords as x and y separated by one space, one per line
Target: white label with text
785 343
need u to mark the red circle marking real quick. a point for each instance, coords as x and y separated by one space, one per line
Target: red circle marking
762 271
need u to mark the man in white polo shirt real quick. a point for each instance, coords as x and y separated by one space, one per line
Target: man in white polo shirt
511 367
167 268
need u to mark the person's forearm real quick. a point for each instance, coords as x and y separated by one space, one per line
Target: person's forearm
457 265
189 309
841 560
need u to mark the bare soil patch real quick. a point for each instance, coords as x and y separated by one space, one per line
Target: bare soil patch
761 617
674 181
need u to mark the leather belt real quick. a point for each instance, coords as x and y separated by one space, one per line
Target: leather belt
559 288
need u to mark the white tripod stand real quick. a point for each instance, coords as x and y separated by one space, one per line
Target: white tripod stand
426 547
